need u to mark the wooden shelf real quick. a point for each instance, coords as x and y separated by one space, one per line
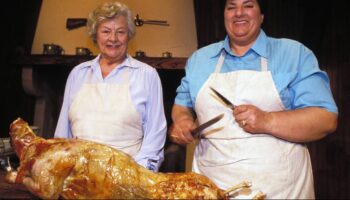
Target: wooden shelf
73 60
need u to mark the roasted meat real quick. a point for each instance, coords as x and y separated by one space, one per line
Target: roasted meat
74 168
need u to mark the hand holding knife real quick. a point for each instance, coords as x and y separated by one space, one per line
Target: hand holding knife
196 132
229 104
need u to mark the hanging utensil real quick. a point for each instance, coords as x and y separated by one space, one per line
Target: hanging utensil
73 23
139 22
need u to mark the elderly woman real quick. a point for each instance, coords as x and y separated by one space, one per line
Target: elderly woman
115 99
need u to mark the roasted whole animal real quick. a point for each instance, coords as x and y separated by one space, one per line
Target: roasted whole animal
75 169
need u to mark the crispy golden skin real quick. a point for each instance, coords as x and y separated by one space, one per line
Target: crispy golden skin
75 169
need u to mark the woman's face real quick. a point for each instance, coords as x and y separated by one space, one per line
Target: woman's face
243 19
112 39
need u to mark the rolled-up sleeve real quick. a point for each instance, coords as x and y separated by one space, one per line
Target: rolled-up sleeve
311 86
183 93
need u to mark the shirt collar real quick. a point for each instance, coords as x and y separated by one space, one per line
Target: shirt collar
128 62
259 46
222 45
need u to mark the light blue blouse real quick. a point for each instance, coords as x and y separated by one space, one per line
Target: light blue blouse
293 66
147 96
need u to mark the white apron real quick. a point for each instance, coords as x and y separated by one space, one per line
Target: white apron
105 113
229 155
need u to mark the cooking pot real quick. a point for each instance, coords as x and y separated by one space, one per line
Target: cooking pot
82 51
53 49
140 54
166 54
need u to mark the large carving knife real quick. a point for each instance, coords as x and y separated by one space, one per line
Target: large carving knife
196 132
224 99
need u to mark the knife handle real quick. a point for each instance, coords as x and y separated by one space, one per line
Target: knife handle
194 132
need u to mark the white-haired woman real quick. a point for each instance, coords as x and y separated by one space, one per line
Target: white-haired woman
115 99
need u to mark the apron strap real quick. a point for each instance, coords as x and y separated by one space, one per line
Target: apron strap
263 64
125 75
221 61
89 77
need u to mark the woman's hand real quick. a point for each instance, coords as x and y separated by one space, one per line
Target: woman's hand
299 125
183 124
180 132
252 119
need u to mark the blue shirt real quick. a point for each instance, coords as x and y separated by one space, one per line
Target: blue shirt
293 66
146 94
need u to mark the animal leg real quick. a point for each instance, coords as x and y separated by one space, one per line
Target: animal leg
244 184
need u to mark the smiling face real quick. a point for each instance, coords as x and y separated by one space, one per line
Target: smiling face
112 39
243 19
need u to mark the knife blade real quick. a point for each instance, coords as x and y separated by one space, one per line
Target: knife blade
196 132
223 98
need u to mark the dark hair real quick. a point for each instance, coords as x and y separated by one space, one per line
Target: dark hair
263 5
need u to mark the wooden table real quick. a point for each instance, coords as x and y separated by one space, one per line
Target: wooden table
13 191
